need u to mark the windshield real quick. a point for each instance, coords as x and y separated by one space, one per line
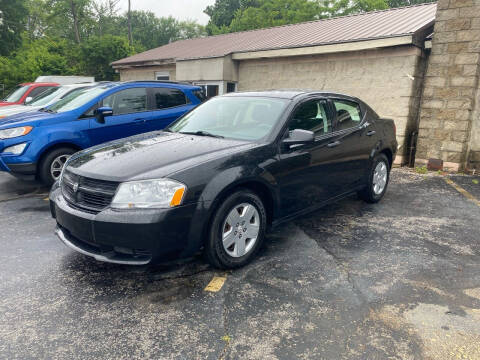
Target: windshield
16 94
244 118
46 96
76 99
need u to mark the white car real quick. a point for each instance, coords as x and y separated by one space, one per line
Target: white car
45 99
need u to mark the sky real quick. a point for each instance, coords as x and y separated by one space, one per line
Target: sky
180 9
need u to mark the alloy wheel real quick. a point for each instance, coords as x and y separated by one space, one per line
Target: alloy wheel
380 176
57 165
241 230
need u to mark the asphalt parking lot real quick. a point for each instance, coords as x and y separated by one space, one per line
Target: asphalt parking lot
396 280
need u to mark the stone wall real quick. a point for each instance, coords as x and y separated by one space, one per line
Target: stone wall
447 128
146 73
388 79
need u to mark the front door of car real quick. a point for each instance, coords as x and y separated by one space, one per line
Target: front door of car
130 116
169 104
356 142
307 173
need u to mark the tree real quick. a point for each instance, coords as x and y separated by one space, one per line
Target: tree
73 19
13 15
274 13
130 38
399 3
222 13
149 31
97 52
331 8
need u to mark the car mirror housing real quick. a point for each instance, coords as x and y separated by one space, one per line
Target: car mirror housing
103 112
299 137
27 100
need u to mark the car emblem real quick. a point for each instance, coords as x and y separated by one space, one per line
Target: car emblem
75 187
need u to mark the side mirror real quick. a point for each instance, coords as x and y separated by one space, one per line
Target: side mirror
299 137
28 99
101 113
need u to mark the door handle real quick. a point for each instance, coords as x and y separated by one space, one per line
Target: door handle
139 121
371 132
333 144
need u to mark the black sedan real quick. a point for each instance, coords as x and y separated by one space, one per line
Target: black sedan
220 176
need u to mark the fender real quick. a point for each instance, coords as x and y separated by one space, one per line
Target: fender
54 137
220 186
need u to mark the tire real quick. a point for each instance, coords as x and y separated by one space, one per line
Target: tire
380 166
236 210
44 168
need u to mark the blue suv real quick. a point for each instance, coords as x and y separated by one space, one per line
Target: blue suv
38 143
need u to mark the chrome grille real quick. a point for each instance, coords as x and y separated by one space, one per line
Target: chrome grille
87 194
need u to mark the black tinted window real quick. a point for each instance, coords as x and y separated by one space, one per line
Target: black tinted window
312 115
165 98
200 95
127 101
348 114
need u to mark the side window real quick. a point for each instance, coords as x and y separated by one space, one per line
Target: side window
90 112
348 114
38 90
312 115
127 101
165 98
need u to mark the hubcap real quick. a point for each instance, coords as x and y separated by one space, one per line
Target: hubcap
240 230
380 178
57 166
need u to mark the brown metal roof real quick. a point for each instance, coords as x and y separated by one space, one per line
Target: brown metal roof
366 26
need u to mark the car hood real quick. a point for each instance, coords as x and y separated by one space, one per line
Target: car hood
26 118
151 155
16 109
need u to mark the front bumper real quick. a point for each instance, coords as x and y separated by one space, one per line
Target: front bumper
134 237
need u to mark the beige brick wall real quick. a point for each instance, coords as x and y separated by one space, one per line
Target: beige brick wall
388 80
449 127
474 145
146 73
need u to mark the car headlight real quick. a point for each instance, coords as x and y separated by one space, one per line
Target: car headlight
15 132
15 149
161 193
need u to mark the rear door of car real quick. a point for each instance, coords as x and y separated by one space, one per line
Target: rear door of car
307 174
168 105
355 141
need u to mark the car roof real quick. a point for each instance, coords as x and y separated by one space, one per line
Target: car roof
286 93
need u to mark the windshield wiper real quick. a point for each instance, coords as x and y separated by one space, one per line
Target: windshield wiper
202 133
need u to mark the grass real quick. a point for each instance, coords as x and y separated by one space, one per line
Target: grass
421 170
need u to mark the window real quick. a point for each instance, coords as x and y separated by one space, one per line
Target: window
167 98
236 117
162 76
312 116
200 95
231 87
39 90
212 90
348 114
17 93
127 101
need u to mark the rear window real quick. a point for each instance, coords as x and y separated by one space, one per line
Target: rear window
165 98
200 95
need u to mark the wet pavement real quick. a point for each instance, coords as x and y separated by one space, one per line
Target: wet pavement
395 280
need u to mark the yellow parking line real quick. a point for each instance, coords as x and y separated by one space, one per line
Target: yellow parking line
216 284
462 191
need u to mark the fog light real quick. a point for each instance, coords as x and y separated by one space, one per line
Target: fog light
15 149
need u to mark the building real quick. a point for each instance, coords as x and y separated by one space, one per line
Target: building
381 57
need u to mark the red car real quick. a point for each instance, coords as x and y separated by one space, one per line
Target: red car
25 91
